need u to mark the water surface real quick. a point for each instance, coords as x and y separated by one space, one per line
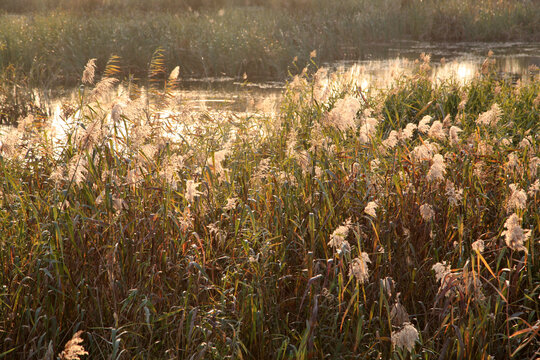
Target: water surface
377 66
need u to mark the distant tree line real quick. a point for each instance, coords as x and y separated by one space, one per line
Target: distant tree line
24 6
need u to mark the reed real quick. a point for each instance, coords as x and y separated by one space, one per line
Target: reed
399 223
51 46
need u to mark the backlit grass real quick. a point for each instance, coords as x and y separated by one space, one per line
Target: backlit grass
373 224
50 44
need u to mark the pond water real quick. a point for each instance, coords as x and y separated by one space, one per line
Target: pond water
376 67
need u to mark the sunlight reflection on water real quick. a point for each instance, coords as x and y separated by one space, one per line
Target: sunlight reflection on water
378 68
461 61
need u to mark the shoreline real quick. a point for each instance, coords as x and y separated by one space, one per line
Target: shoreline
51 48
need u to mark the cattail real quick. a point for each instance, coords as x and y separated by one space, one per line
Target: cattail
371 209
89 72
405 338
427 213
359 268
73 349
514 235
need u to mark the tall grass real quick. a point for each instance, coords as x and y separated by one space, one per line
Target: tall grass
197 235
52 46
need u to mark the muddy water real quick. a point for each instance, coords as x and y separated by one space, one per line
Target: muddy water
377 67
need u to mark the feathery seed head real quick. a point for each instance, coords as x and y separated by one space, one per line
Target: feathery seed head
73 348
359 268
437 170
436 131
517 200
478 245
514 234
343 114
490 117
426 211
338 238
423 125
191 190
406 337
89 72
371 208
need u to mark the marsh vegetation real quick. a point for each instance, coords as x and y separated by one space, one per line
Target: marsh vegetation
397 223
342 221
51 46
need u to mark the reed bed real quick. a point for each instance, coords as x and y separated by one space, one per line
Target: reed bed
348 223
51 45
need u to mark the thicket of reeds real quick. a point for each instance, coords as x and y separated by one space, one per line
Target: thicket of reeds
400 223
49 46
